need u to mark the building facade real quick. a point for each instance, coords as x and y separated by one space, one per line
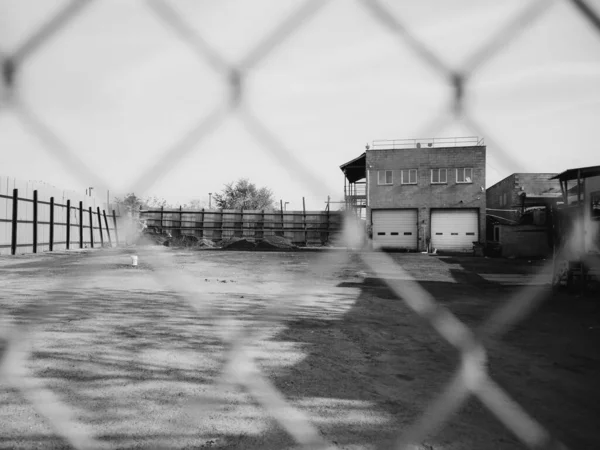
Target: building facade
425 195
509 198
581 201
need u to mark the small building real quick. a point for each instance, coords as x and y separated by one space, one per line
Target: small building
518 214
511 197
420 194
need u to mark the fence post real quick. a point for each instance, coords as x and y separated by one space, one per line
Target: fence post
258 228
162 213
202 224
282 227
327 232
114 216
80 224
304 222
107 228
222 223
91 227
68 224
51 237
35 220
180 221
100 226
15 213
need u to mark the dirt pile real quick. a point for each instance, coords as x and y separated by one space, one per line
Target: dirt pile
191 242
267 243
238 244
205 243
275 243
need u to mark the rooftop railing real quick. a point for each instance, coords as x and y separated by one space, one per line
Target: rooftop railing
391 144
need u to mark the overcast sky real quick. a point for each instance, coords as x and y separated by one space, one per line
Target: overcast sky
119 87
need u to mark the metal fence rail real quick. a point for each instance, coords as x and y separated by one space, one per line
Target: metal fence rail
240 367
390 144
67 226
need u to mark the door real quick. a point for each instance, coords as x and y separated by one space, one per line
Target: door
395 228
454 229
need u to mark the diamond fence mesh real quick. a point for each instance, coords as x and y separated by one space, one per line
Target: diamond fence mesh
240 334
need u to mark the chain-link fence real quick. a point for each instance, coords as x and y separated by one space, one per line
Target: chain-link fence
240 336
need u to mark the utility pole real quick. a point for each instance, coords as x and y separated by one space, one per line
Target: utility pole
209 199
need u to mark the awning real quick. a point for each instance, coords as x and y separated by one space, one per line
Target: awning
356 169
584 172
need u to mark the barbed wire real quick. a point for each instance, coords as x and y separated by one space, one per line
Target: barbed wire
239 367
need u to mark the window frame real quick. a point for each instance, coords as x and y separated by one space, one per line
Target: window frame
385 172
464 174
409 172
594 207
439 171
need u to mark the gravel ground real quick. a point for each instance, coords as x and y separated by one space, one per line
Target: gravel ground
133 358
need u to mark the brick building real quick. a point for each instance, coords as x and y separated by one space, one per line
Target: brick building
421 194
509 198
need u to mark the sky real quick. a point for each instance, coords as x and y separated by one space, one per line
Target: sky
118 87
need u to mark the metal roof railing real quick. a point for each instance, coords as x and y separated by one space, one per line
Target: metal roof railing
391 144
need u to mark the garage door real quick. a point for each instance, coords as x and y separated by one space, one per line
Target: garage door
395 228
454 229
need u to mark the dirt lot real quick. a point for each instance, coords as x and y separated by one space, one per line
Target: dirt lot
128 354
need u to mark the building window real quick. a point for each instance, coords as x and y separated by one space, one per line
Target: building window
501 200
464 175
595 203
409 176
439 176
384 177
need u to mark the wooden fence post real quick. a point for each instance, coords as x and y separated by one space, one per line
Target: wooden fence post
327 232
91 227
162 213
35 220
222 223
68 224
180 221
51 237
202 224
282 226
107 228
304 222
80 224
240 233
115 225
260 226
100 226
15 213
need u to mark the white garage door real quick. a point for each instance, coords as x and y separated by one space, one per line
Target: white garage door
454 229
395 228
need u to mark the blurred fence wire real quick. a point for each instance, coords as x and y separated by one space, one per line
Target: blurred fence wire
472 377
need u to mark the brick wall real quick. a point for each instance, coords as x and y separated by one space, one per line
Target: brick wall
502 195
424 195
512 186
